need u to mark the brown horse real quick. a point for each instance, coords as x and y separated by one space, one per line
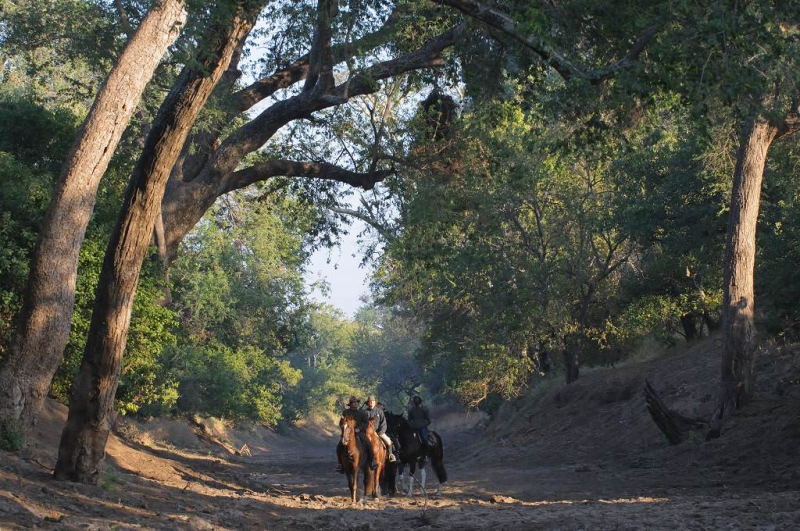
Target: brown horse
352 455
372 477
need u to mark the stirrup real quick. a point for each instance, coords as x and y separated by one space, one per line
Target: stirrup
392 458
373 465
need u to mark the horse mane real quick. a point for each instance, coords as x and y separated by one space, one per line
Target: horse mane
372 435
400 418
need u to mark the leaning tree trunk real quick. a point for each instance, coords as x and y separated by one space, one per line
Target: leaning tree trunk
92 396
43 331
738 353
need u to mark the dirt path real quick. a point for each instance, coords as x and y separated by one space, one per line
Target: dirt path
586 456
294 487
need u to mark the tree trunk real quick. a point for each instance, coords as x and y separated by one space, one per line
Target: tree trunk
92 395
738 352
43 329
673 425
571 366
689 325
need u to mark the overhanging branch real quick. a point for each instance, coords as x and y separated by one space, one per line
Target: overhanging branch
501 21
290 168
427 56
366 219
258 131
296 71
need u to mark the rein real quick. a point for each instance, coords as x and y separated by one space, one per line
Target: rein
349 439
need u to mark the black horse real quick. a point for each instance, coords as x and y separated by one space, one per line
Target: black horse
413 451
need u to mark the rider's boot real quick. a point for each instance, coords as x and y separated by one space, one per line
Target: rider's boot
390 453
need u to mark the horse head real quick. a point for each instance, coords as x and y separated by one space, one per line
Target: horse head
393 422
348 427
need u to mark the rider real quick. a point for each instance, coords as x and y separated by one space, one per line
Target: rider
380 427
353 410
420 418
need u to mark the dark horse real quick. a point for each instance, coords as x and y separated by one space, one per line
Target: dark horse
352 454
414 451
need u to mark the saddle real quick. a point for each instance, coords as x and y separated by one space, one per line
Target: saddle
430 442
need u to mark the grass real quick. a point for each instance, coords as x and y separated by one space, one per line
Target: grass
111 479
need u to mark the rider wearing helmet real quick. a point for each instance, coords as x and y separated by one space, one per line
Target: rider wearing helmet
420 418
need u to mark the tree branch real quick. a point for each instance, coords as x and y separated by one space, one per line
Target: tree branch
291 74
290 168
258 131
567 70
124 19
320 62
372 222
504 23
427 56
791 122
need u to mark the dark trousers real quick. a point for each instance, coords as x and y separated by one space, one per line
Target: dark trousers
423 432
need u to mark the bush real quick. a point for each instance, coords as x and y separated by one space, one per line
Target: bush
12 438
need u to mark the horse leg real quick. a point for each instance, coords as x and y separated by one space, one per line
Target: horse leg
366 483
352 482
378 473
400 478
412 467
422 476
372 479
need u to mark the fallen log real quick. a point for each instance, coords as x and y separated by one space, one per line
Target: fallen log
673 425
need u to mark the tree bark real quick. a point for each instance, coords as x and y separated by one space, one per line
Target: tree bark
739 332
675 427
573 344
571 366
43 329
92 396
689 325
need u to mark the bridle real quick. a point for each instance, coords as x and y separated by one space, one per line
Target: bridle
348 429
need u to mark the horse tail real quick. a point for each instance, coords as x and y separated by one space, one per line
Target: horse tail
437 460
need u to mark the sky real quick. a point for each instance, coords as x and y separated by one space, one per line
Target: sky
348 282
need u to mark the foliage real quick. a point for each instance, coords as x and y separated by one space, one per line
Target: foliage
143 380
777 280
12 437
237 384
238 291
384 349
323 354
33 140
59 50
527 236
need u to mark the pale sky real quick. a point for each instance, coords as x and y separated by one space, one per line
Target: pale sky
348 281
